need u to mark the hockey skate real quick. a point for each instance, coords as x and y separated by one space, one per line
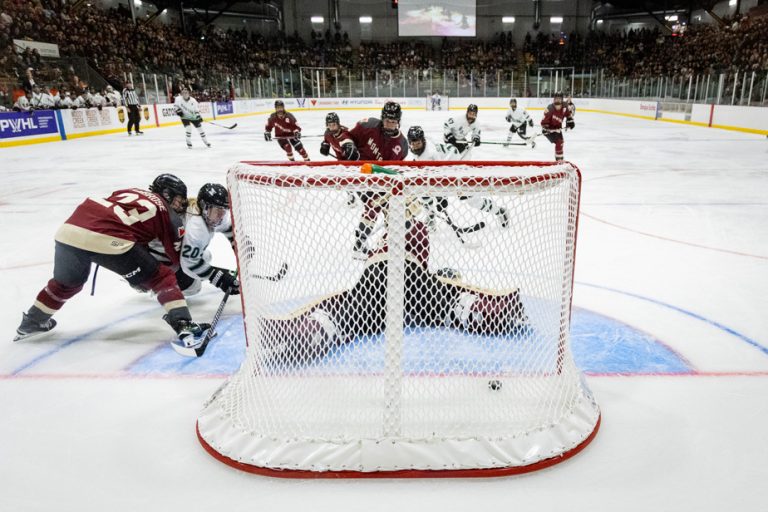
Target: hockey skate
30 329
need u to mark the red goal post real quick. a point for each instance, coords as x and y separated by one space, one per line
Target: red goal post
444 352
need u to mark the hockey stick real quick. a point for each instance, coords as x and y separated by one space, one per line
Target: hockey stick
275 277
222 125
301 137
199 351
504 143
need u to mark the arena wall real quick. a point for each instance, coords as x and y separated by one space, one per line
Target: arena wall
20 128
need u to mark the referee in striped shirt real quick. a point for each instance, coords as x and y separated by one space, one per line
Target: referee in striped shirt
131 101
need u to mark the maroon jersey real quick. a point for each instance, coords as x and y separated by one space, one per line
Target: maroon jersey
284 126
554 119
337 141
125 218
370 140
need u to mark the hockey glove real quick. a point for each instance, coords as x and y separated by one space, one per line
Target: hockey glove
267 136
178 112
351 152
225 280
530 122
297 135
569 123
509 119
450 139
476 140
325 148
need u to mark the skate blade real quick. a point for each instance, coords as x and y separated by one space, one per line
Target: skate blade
197 350
32 336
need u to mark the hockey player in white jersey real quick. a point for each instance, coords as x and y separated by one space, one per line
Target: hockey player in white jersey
189 111
422 149
519 121
207 215
461 131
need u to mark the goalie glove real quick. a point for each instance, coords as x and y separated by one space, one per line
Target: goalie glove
570 124
325 148
476 140
267 136
224 280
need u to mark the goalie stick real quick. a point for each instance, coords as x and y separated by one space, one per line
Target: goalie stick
222 125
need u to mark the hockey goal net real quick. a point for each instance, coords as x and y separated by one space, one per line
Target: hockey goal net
437 102
436 347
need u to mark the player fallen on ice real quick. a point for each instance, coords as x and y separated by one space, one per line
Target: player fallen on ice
432 299
287 131
338 138
462 131
557 118
188 110
422 149
114 232
376 139
519 121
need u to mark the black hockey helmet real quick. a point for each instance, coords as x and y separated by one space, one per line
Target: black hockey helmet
558 95
279 103
391 110
332 117
416 133
472 108
169 186
511 101
212 195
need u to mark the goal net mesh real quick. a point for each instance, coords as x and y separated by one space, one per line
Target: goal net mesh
409 321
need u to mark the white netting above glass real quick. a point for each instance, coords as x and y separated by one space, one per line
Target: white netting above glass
410 320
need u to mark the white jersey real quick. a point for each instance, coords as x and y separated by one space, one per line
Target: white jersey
22 104
195 256
435 152
114 98
97 100
461 129
188 109
517 117
66 102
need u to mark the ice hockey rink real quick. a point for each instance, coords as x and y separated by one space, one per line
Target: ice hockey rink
670 325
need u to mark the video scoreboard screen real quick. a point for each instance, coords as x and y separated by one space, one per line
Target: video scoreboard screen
454 18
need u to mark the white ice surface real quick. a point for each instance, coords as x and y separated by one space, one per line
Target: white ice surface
673 240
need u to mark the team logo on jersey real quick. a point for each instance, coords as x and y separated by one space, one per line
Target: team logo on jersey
396 150
301 102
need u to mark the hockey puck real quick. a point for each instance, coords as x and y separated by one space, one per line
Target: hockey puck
494 385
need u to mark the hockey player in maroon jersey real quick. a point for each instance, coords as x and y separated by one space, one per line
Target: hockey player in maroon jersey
287 131
557 117
114 232
432 299
337 137
377 139
380 139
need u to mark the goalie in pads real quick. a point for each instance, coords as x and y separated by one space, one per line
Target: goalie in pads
431 300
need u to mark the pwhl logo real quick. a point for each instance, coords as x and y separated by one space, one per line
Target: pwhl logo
18 125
